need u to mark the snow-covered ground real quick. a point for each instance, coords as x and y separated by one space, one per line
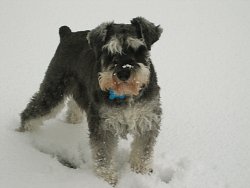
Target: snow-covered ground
203 65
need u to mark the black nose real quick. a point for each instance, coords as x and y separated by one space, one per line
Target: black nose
123 74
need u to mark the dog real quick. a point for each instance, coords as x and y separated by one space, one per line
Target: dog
107 72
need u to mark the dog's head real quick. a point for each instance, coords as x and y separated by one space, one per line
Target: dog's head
123 52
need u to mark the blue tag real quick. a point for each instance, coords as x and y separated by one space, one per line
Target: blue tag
113 95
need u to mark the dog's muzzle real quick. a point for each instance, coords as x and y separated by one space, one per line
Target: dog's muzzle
125 79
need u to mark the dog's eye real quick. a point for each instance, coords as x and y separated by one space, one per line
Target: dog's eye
142 49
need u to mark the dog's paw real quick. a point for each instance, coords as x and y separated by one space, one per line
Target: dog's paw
20 129
74 114
108 174
74 118
31 125
141 167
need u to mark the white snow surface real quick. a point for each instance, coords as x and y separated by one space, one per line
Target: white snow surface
203 65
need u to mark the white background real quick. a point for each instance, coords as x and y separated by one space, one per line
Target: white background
203 66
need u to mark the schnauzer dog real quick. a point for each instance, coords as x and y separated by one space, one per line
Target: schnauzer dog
107 72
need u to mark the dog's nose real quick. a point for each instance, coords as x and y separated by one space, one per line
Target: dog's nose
123 74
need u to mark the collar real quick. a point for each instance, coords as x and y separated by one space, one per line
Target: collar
113 95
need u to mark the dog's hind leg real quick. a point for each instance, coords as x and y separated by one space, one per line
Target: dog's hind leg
74 113
45 104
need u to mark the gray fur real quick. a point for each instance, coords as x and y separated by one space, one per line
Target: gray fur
74 71
138 119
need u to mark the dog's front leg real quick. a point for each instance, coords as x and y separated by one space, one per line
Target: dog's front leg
142 152
103 144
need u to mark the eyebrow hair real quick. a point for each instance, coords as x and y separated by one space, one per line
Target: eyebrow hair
135 43
113 46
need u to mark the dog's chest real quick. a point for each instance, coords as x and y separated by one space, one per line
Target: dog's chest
135 119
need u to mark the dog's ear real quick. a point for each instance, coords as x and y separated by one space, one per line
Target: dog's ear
64 31
97 37
147 30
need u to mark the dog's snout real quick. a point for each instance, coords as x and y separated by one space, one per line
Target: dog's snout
123 74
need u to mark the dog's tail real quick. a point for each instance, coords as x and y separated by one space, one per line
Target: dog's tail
64 31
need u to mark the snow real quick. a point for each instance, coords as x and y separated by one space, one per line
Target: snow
202 60
127 66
